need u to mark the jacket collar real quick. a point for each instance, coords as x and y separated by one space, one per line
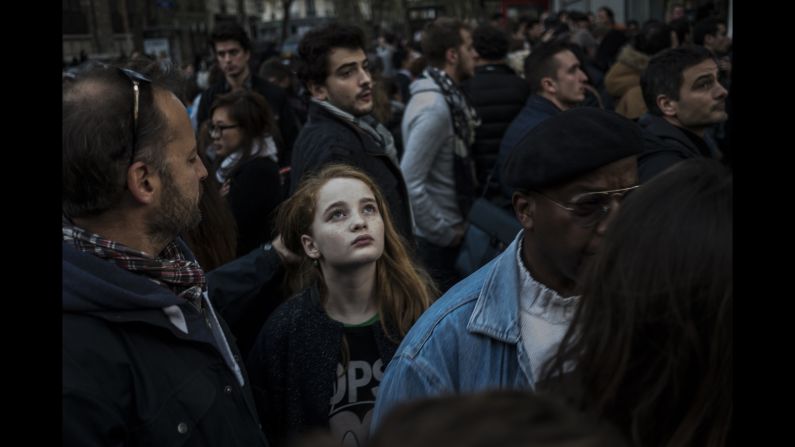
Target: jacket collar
494 68
248 83
93 284
496 312
369 144
539 103
662 129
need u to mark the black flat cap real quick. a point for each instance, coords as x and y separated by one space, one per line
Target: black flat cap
569 145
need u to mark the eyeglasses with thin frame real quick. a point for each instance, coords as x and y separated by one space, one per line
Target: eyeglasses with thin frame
591 207
216 130
137 79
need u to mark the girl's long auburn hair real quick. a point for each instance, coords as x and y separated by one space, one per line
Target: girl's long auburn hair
403 289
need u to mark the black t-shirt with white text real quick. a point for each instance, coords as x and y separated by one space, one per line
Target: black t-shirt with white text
354 391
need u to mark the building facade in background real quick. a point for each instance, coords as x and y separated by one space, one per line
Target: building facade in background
178 29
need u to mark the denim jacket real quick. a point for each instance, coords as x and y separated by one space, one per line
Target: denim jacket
469 340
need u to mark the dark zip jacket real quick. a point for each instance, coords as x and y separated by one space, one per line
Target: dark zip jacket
131 376
327 139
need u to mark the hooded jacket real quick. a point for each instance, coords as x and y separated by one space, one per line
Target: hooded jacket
666 144
428 163
142 366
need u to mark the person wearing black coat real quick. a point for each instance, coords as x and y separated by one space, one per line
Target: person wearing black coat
147 360
340 127
135 373
294 365
666 145
242 130
327 139
232 49
496 93
319 359
680 112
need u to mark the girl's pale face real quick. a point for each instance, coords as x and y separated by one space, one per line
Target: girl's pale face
348 229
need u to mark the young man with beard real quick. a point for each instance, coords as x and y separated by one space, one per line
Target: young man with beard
685 98
146 360
340 127
438 130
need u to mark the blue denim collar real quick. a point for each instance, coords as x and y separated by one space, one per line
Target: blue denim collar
496 311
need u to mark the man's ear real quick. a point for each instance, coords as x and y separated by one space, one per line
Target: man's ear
310 248
524 207
668 106
143 182
451 56
319 92
549 85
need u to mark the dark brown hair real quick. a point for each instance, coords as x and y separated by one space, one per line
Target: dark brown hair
652 337
541 63
316 47
438 37
665 73
97 137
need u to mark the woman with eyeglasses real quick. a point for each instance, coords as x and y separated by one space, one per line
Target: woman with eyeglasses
650 345
320 357
245 147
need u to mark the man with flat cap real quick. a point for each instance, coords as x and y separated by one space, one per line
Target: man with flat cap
497 327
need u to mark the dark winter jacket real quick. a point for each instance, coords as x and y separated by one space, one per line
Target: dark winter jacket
293 366
132 377
246 291
327 139
498 95
666 144
254 193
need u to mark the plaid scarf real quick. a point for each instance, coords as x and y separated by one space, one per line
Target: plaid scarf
169 269
368 124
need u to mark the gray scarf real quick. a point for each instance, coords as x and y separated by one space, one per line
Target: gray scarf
368 124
